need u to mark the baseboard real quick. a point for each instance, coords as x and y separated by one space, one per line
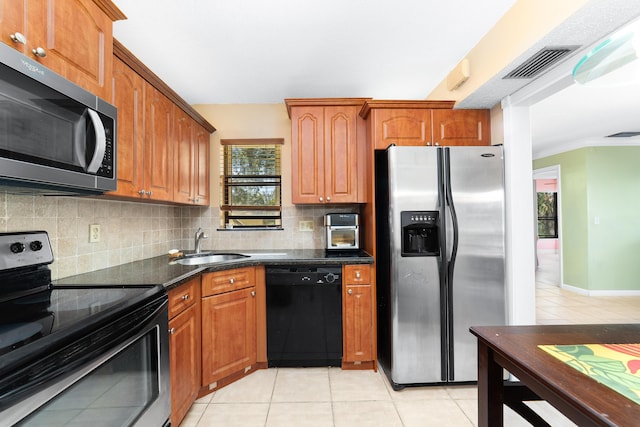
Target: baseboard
602 293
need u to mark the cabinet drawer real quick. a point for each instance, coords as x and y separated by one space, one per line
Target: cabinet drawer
183 296
356 274
228 280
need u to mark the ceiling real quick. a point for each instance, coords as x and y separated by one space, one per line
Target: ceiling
256 52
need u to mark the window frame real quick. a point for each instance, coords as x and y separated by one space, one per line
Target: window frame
226 181
549 218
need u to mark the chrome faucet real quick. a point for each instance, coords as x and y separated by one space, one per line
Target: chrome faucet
197 238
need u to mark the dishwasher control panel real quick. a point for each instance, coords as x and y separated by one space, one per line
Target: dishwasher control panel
303 275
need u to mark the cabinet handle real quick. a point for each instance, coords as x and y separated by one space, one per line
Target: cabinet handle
232 280
18 38
357 274
148 193
321 199
39 52
428 144
172 331
350 291
328 198
142 192
253 293
436 144
185 297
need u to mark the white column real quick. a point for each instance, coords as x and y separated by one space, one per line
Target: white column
519 205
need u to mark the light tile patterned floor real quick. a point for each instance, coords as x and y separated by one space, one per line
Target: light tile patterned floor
555 305
330 397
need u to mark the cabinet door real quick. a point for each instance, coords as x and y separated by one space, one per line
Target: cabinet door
307 155
158 155
461 127
78 40
228 334
184 158
357 323
127 96
201 179
340 154
185 351
191 161
13 19
401 127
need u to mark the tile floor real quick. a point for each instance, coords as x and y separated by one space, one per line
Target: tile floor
555 305
330 397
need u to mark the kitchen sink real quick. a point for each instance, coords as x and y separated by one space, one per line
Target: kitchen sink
209 258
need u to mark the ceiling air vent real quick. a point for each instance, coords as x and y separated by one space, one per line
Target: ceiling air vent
540 62
623 135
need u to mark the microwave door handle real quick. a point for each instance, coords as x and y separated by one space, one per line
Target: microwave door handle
101 142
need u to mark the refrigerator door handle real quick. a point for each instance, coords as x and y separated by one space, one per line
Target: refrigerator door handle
448 195
452 210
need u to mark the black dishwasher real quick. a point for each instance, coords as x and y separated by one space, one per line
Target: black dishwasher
304 316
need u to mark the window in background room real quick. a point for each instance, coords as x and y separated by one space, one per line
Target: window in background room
547 215
251 183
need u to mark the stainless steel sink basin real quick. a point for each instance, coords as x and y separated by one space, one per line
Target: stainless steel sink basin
209 258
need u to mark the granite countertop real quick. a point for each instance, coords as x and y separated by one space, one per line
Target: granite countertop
161 270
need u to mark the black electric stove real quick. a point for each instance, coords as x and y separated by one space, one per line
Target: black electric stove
42 327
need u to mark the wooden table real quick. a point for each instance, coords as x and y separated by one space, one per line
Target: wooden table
542 376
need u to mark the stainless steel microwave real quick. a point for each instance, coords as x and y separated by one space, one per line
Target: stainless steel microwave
55 137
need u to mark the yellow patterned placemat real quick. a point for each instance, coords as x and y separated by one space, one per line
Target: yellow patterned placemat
615 365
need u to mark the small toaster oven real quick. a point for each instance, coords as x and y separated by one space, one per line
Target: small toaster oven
342 231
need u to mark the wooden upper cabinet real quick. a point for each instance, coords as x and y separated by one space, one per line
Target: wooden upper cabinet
127 96
72 37
158 153
191 161
145 137
163 143
202 145
184 159
401 127
327 141
340 154
461 127
13 23
307 155
429 123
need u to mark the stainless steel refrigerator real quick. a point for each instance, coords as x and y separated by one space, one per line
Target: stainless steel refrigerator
440 259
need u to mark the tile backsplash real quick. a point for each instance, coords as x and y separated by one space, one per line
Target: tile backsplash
132 231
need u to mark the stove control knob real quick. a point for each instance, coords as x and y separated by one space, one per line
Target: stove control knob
330 277
36 245
17 247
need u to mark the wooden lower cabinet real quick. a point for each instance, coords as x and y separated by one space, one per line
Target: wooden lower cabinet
357 317
184 348
228 330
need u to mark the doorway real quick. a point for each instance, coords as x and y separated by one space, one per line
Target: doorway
548 226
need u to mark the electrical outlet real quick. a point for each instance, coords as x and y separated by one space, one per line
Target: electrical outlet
94 233
305 226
